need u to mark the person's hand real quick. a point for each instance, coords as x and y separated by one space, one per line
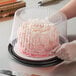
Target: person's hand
67 51
57 18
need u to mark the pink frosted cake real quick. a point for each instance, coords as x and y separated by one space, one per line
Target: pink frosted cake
36 38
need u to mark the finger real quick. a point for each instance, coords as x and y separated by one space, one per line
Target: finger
62 53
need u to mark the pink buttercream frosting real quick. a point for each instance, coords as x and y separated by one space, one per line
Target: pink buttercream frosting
37 38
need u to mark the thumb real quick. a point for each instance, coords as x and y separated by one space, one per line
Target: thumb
62 52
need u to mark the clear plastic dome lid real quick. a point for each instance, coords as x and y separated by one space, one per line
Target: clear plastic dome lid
38 32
